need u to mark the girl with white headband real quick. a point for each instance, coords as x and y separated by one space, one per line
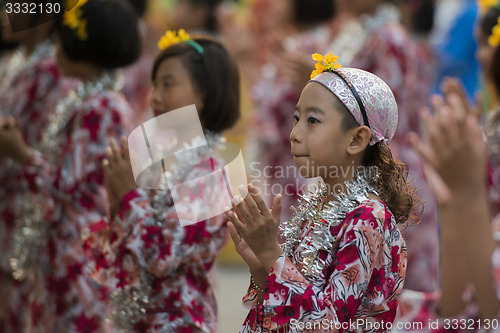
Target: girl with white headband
343 261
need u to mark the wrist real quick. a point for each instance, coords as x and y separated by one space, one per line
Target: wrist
268 256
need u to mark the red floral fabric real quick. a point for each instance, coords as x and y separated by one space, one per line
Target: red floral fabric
360 282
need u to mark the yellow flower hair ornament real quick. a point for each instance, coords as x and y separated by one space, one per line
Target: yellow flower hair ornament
326 63
73 18
484 5
172 38
494 39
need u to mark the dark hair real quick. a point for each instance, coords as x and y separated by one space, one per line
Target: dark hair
313 11
422 16
495 69
139 6
113 37
489 20
210 25
215 75
395 189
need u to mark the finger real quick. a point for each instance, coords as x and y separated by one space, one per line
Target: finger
261 204
115 149
421 148
125 150
240 227
235 236
240 209
109 155
276 210
433 133
250 202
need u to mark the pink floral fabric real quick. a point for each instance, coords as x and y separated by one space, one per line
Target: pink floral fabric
31 97
362 279
70 189
408 69
138 249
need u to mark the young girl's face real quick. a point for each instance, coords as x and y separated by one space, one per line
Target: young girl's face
317 139
173 88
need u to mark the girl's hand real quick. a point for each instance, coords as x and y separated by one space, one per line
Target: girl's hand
257 225
454 150
12 143
254 264
118 173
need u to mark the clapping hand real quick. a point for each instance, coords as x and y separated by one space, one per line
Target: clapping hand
118 173
254 228
454 149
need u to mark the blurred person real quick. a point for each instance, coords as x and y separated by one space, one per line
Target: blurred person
454 43
302 28
30 86
195 15
61 169
486 22
157 268
137 86
390 52
470 288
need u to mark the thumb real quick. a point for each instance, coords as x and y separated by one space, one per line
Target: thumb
276 208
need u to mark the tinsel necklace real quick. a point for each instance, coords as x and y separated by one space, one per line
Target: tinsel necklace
15 63
129 306
303 242
30 230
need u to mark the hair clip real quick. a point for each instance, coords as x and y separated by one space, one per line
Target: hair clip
172 38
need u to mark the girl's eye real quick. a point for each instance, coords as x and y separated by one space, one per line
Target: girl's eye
295 118
312 120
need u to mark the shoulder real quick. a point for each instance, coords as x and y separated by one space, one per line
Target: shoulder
372 215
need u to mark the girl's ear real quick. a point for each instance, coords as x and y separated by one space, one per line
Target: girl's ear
359 141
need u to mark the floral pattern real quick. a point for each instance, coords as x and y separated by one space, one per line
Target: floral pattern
70 189
362 278
408 69
29 96
145 253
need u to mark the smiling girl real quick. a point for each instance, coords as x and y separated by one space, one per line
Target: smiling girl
343 260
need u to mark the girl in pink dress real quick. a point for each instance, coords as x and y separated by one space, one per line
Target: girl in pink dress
157 269
63 170
343 261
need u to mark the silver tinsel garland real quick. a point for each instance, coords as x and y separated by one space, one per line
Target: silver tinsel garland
13 65
29 234
129 306
303 243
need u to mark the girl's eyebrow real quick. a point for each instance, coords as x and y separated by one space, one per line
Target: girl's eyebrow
311 109
167 76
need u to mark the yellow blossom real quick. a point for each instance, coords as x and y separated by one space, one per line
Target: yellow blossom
318 57
484 5
183 35
82 31
494 39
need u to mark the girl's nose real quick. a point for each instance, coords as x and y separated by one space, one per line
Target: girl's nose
295 135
